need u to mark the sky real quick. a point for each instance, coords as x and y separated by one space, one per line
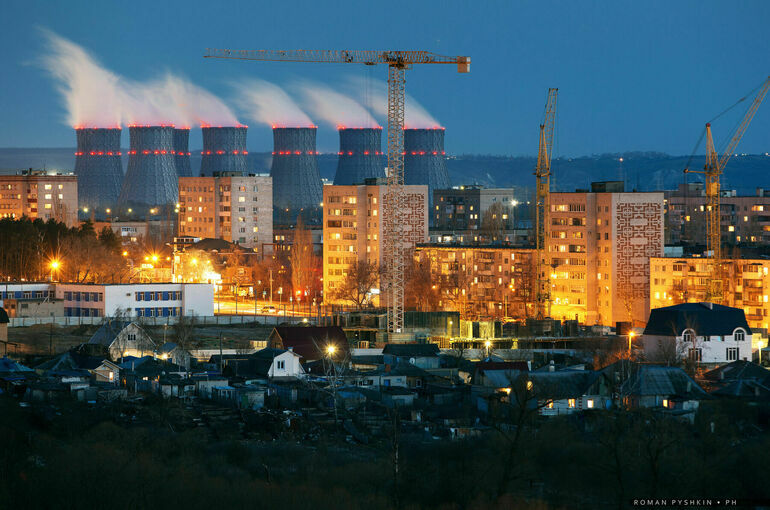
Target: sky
632 76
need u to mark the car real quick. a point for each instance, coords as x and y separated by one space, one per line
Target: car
268 309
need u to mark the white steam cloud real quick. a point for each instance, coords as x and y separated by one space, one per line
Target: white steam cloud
374 95
269 104
92 94
337 109
97 97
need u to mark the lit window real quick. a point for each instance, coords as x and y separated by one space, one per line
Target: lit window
571 403
47 206
665 402
48 186
590 403
48 196
241 199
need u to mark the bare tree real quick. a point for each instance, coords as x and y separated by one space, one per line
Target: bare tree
304 263
357 283
421 291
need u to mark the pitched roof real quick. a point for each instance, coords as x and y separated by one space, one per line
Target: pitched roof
745 389
562 384
411 350
739 369
8 365
71 360
706 319
108 331
310 341
649 380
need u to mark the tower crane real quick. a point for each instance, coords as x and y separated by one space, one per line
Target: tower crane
712 170
542 205
395 246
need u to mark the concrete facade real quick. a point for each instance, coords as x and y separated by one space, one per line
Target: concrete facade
352 227
36 194
236 208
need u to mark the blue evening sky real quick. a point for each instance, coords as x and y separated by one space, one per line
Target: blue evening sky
632 75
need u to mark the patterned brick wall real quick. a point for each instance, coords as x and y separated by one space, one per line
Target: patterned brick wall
639 236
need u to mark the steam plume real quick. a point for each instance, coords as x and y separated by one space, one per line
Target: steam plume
270 104
415 116
335 108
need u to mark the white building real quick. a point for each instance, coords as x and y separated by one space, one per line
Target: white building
703 332
136 300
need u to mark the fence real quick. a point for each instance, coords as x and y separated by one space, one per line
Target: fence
200 320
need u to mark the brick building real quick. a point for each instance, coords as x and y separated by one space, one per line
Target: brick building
227 206
35 194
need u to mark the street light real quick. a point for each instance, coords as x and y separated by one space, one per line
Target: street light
55 264
631 336
487 344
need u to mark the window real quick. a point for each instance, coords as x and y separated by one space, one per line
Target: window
590 403
571 403
695 354
687 336
665 402
280 365
739 336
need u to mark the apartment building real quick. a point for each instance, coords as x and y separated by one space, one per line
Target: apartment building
481 282
744 219
599 246
353 229
35 194
227 206
746 284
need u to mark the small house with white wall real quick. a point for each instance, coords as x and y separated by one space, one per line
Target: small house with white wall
123 338
701 332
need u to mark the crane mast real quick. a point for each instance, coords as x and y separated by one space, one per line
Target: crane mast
542 205
712 171
395 245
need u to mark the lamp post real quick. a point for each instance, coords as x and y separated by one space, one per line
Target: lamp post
55 264
330 350
488 345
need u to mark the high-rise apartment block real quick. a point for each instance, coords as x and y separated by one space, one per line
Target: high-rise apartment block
600 243
353 229
744 219
489 282
36 194
227 206
745 282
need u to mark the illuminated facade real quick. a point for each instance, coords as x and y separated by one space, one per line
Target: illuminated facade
235 208
744 219
37 195
352 227
481 282
684 280
599 245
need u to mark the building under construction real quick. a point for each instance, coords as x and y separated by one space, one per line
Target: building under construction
98 167
296 179
151 178
360 156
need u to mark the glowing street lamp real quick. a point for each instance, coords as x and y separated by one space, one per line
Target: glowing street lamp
54 265
330 350
488 345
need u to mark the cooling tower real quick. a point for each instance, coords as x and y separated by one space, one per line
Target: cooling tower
182 152
98 167
224 150
296 179
424 161
360 155
151 178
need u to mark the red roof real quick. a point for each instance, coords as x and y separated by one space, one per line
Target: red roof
310 342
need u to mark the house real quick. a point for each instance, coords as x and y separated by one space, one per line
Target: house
701 332
568 391
311 342
266 363
123 338
175 386
145 373
421 355
742 380
661 387
496 374
174 353
397 397
204 385
101 369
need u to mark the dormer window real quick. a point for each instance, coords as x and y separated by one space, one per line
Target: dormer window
739 335
688 335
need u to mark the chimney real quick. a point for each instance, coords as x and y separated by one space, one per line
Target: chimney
551 366
291 348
